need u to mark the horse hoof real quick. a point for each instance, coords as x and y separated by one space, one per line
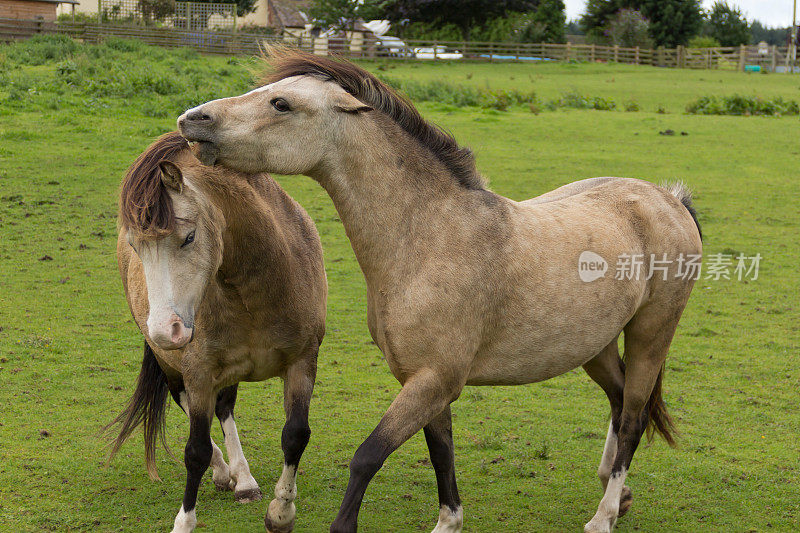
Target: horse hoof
248 496
625 501
224 486
272 528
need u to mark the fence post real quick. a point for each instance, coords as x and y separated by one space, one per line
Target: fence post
742 57
637 55
774 57
592 53
568 52
435 44
681 56
234 18
616 53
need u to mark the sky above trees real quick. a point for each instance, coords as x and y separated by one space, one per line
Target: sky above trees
769 12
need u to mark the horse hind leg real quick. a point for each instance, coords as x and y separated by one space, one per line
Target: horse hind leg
241 481
647 339
298 388
608 371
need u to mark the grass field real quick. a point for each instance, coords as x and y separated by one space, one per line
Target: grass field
72 118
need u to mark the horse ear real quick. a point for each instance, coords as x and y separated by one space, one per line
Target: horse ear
347 103
171 175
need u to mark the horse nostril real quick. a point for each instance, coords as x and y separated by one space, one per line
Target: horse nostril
198 116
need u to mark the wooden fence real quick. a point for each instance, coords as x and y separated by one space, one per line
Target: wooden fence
232 42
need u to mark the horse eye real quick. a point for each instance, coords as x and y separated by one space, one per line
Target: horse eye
281 105
189 239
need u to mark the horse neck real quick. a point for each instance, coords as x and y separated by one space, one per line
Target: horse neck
389 193
253 247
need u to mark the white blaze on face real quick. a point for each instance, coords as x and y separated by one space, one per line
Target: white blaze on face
177 268
171 317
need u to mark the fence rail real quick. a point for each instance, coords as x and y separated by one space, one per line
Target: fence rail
741 58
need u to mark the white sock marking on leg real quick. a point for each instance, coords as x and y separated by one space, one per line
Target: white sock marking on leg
240 470
449 521
609 453
185 522
606 515
282 509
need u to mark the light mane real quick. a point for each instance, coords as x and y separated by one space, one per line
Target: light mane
284 63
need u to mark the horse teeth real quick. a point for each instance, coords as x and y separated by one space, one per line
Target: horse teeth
192 143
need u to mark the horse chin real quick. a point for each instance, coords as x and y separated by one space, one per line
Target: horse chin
206 152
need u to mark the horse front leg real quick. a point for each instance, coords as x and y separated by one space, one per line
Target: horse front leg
244 484
298 387
424 396
439 437
197 457
221 474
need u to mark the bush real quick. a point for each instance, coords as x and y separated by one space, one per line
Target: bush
631 106
116 68
459 95
703 41
742 106
41 49
576 100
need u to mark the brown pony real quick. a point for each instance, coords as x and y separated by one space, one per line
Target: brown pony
466 287
223 274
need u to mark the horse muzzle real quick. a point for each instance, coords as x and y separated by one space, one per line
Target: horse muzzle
171 333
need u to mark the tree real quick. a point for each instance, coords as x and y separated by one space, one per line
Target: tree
629 29
243 7
598 13
776 36
549 20
156 9
672 22
727 25
465 14
574 27
342 14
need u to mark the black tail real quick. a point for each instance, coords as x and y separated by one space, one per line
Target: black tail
682 193
147 406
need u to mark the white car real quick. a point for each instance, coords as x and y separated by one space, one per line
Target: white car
438 52
394 47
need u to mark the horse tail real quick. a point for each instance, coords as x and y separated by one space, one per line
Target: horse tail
660 421
147 406
680 191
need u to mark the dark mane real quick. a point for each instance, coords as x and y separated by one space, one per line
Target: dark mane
144 205
459 161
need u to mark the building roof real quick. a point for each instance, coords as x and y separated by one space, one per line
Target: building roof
55 1
289 14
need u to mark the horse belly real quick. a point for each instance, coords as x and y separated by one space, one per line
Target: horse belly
518 367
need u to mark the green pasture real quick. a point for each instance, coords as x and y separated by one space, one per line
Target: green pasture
650 87
73 117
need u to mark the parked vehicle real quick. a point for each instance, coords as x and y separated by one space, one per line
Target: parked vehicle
436 52
393 47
